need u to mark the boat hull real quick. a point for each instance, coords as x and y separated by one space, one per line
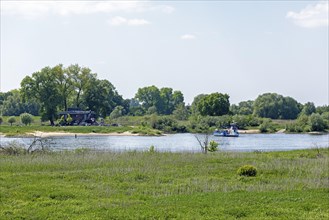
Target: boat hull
224 134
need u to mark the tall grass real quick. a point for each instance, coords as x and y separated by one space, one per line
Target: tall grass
143 185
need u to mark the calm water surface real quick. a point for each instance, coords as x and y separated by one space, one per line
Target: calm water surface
184 142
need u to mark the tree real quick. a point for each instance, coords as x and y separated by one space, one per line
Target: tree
65 83
215 104
11 120
308 108
322 109
275 106
26 118
42 87
194 106
100 96
289 109
1 120
14 105
148 97
181 112
81 76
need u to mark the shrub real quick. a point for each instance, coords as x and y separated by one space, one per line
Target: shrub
11 120
213 145
26 118
247 170
266 126
152 149
317 123
69 119
1 120
117 112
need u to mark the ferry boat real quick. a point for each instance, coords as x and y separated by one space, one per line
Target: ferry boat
231 132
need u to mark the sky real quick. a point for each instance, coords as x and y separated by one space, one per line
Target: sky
242 48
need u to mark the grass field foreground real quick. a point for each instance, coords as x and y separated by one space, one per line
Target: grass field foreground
145 185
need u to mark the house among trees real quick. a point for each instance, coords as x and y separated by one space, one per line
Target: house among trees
76 116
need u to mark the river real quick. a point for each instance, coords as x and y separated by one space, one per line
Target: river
182 142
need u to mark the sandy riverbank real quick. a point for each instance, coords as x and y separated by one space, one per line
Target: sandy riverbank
66 134
251 131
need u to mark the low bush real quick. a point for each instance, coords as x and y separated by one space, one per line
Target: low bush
26 118
213 145
247 170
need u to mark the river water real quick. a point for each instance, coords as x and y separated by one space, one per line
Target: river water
182 142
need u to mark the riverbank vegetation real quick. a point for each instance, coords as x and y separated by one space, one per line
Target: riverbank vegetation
53 89
149 185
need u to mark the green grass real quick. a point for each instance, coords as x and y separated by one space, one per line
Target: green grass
141 185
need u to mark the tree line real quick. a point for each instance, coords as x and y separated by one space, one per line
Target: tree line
54 89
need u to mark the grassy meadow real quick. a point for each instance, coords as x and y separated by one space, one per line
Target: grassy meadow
151 185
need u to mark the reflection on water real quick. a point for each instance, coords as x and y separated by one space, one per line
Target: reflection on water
184 142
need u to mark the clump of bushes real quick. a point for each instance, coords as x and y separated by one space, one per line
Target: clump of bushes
247 170
304 123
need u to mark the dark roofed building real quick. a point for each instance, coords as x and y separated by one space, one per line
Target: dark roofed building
79 117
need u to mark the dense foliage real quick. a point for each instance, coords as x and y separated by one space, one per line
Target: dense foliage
54 89
215 104
161 101
275 106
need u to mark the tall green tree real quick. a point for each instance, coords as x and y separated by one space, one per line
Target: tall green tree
149 97
290 108
275 106
215 104
100 96
65 84
194 105
42 87
81 78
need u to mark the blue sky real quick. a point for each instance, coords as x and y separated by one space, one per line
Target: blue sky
243 48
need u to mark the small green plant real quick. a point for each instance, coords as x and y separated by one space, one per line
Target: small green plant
69 119
247 170
152 149
11 120
26 118
213 145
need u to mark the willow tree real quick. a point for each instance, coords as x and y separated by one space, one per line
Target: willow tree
43 88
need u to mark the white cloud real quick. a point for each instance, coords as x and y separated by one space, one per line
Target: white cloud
118 21
188 37
37 9
312 16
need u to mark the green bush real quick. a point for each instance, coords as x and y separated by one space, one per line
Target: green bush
317 123
213 145
26 118
266 126
247 170
11 120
